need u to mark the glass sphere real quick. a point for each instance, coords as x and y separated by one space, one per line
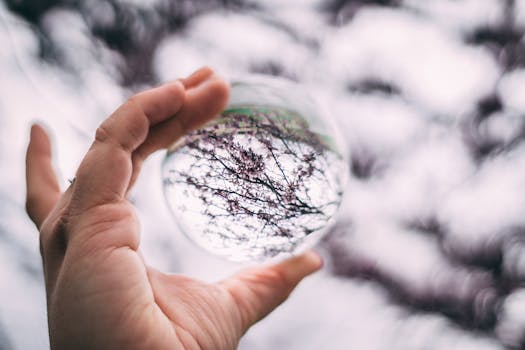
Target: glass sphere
264 179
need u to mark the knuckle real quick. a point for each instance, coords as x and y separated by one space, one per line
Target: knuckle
102 134
137 127
176 91
133 104
135 109
276 277
136 122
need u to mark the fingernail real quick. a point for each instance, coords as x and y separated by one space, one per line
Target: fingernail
197 77
202 70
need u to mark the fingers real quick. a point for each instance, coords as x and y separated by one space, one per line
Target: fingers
204 101
128 126
260 290
43 190
197 77
104 174
147 122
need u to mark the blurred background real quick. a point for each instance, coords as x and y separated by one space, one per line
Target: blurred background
429 248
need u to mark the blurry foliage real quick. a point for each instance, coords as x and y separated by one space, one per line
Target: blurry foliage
469 297
4 340
341 11
135 31
132 30
505 42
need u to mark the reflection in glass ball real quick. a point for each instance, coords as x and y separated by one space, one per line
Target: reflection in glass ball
264 179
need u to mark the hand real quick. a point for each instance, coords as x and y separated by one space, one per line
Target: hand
100 292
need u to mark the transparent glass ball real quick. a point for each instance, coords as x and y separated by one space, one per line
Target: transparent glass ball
264 179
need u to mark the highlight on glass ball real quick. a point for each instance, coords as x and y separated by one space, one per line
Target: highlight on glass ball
262 180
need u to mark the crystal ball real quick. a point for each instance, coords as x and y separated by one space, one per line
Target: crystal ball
263 179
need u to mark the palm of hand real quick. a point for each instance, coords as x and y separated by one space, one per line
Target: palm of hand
132 306
101 294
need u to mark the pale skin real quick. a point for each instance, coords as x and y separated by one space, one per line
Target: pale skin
101 294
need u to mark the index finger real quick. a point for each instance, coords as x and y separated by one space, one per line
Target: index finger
105 172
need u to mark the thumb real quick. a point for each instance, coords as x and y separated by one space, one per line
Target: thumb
258 291
42 186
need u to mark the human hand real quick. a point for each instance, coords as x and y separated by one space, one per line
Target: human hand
100 292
